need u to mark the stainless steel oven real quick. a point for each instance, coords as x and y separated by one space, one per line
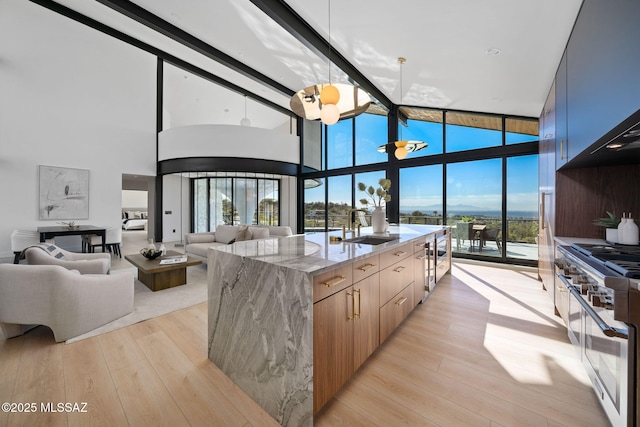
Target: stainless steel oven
600 329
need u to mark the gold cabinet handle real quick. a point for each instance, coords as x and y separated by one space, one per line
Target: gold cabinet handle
399 269
366 267
401 253
334 281
353 306
401 301
359 303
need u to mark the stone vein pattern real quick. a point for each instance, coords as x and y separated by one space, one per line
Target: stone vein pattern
260 333
261 309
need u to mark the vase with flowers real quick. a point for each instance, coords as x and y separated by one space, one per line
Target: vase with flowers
377 197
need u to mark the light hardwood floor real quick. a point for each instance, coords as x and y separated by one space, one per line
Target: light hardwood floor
484 350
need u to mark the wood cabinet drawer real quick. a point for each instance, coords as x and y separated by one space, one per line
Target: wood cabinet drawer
394 255
394 312
419 245
330 282
395 278
365 267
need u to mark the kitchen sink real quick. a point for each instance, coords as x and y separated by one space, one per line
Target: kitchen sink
371 240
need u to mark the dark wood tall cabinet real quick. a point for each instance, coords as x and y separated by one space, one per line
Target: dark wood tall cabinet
596 88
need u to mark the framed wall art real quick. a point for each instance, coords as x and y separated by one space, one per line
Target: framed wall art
63 193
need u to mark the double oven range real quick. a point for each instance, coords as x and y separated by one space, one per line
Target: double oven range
598 296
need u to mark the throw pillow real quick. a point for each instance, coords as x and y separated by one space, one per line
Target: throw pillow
52 250
259 232
226 233
243 233
202 238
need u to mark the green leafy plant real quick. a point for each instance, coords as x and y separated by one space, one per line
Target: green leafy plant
611 221
467 218
377 195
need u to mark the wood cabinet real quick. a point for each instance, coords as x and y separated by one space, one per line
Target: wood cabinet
396 277
395 311
560 101
397 290
367 319
602 70
345 326
596 82
332 345
328 283
358 305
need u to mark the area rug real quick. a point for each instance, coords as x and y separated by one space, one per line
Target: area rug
149 304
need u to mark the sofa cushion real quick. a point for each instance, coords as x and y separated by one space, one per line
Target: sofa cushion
279 230
202 238
259 232
243 233
226 233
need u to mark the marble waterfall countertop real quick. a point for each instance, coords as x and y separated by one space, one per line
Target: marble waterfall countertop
315 252
260 311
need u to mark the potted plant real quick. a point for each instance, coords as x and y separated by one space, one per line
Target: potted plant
378 196
611 223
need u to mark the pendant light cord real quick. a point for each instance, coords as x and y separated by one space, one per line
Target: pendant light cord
329 56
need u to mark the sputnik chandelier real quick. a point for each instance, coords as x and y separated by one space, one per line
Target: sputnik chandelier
329 102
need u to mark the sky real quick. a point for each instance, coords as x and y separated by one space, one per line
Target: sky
475 184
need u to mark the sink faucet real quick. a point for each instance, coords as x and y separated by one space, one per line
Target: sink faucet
351 225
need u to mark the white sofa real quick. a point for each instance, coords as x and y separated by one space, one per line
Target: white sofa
196 244
66 301
46 254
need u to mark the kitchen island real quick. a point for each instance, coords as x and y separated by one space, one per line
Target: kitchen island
291 319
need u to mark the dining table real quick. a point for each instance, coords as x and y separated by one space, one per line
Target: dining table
50 232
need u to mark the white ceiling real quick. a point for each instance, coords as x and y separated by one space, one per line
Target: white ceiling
445 44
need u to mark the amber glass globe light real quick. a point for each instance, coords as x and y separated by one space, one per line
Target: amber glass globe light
329 95
401 150
329 114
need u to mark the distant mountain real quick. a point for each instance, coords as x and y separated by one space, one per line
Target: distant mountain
450 209
467 210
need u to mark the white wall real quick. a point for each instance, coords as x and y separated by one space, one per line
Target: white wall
213 140
175 207
70 97
134 199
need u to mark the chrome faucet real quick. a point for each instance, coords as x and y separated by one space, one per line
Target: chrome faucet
351 224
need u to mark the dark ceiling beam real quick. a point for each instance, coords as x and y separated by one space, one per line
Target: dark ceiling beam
288 19
150 20
92 23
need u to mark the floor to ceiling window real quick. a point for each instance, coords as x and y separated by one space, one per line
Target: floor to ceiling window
478 175
421 195
474 205
234 200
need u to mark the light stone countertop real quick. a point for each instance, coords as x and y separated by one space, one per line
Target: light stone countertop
567 241
315 252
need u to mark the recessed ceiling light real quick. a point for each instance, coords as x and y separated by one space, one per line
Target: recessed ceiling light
493 51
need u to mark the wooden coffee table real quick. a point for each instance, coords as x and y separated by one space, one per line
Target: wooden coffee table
157 277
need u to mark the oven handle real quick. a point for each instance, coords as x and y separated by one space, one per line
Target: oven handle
606 329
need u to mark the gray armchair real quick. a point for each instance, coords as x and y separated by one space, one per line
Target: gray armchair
45 254
69 303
